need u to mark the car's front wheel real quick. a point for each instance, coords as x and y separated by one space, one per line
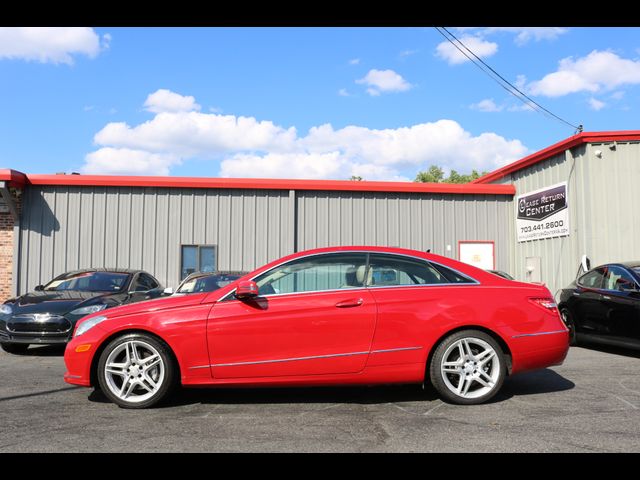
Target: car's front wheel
468 367
15 348
136 371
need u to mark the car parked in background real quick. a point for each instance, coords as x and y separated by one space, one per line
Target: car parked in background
330 316
200 282
49 314
603 305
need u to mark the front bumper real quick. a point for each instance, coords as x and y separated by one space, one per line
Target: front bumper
40 329
79 356
34 338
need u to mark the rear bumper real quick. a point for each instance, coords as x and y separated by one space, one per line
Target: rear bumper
539 350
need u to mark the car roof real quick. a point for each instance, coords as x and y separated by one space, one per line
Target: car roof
628 264
217 272
106 270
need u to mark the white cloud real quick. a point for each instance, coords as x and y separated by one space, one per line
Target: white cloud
125 161
195 133
247 147
384 81
50 44
453 56
354 61
407 53
343 92
525 34
163 100
599 70
596 104
487 105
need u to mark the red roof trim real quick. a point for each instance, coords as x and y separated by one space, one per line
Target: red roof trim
267 184
13 177
579 139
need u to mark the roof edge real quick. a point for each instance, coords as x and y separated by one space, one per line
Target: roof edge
264 184
14 178
556 148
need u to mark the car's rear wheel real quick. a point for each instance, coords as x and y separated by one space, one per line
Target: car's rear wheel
468 367
136 371
567 318
15 348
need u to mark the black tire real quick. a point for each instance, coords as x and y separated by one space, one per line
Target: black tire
134 375
471 370
15 348
567 318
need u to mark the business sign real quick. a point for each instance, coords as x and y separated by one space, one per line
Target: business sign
478 254
543 213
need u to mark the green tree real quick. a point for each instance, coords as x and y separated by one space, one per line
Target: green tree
435 174
356 178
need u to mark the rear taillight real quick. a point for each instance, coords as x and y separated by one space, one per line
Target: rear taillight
548 303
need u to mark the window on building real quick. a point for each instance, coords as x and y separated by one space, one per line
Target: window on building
197 258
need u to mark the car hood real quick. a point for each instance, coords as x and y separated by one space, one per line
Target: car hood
51 302
163 303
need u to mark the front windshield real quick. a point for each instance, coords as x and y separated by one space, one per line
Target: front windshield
206 283
89 282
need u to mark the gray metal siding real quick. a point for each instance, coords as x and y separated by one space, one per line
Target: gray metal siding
67 228
602 199
415 221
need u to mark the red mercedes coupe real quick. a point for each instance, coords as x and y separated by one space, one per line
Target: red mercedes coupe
330 316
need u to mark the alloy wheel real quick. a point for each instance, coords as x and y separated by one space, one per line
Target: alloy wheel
470 368
134 371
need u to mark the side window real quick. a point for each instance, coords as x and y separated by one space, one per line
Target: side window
453 276
617 278
592 279
317 273
145 283
392 270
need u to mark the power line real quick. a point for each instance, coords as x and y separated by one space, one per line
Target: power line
500 80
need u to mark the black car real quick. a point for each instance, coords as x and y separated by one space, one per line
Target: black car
603 305
49 314
200 282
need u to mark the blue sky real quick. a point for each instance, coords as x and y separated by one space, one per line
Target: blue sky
382 103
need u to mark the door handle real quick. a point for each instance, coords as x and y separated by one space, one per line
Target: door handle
352 302
606 297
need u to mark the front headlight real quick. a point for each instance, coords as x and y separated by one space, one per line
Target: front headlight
89 324
6 309
88 310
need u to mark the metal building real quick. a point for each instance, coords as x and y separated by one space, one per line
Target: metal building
602 174
69 222
50 224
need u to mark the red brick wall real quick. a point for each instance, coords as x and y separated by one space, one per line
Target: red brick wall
6 254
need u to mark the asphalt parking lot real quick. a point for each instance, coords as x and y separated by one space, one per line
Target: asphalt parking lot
589 404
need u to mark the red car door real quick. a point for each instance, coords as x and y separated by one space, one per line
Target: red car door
313 316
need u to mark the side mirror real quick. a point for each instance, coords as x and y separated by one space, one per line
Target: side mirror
39 288
168 291
246 289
